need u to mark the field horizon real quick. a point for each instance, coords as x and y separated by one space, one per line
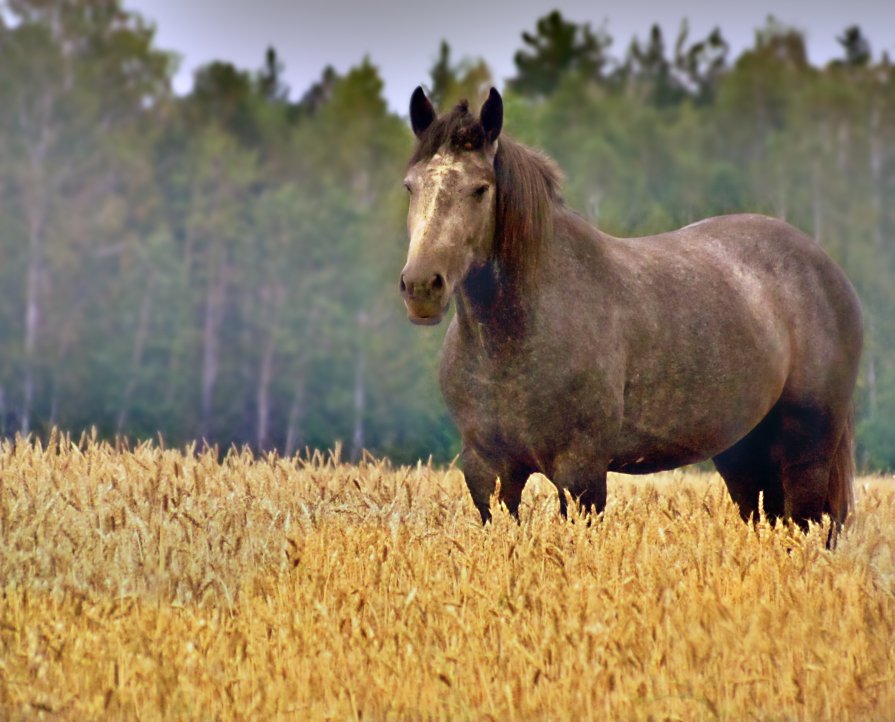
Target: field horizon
151 584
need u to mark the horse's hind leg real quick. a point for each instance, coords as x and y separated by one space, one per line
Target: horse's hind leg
789 456
810 442
751 467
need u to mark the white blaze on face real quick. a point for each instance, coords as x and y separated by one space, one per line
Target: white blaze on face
437 183
450 221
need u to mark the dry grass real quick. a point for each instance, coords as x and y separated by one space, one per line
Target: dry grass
158 585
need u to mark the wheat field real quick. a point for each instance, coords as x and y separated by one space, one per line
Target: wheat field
152 584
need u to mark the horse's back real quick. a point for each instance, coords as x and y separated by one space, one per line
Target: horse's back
769 247
765 263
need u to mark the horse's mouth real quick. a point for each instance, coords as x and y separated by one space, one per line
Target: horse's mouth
425 313
424 320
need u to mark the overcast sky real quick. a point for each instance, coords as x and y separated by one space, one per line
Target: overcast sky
401 37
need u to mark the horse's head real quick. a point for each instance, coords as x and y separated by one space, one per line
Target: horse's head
453 201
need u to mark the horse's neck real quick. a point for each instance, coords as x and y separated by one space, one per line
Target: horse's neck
490 311
502 306
498 306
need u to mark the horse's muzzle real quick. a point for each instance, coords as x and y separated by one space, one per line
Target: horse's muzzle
424 298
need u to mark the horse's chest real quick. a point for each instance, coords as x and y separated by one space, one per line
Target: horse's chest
496 407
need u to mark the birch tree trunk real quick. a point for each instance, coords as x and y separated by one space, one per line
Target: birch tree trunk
876 175
276 296
296 413
262 396
215 296
360 395
32 321
36 210
360 388
816 202
140 335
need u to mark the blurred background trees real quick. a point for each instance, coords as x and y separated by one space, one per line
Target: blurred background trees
223 265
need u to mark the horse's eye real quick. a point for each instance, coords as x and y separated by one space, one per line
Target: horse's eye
480 191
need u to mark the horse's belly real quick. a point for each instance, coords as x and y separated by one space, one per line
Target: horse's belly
694 423
641 454
648 459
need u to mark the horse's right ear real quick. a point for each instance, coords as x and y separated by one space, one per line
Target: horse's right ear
421 112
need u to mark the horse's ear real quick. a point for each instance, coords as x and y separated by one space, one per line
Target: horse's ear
421 111
491 116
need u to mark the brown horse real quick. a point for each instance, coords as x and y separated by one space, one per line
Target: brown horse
573 352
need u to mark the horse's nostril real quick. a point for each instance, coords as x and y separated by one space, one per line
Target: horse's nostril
437 282
403 285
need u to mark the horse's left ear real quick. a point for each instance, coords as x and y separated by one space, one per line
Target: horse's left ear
491 116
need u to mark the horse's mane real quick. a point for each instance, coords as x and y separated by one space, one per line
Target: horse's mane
528 186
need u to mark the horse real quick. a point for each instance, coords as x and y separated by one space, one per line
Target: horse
573 353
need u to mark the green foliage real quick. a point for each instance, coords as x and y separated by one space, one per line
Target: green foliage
856 47
224 265
556 49
451 83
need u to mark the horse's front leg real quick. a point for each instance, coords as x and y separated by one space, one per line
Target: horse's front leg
481 480
584 479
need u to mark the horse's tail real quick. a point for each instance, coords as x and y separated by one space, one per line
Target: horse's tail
840 492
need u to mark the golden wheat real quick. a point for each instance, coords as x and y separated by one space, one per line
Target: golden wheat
162 585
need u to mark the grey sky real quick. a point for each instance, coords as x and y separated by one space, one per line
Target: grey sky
401 37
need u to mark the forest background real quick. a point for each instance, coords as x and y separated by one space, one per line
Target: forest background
222 266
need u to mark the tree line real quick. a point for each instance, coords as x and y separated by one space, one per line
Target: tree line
223 265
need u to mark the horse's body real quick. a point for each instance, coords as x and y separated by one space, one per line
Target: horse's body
735 338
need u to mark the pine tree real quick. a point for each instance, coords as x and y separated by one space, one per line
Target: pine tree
556 49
